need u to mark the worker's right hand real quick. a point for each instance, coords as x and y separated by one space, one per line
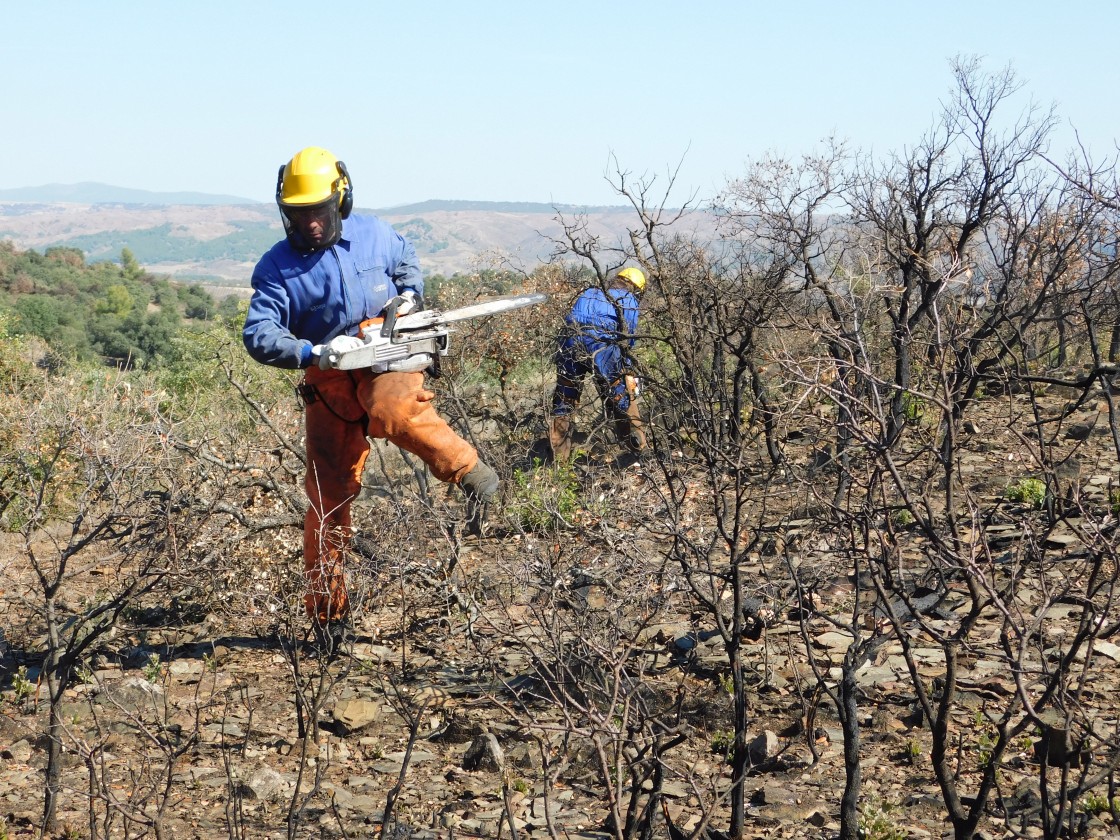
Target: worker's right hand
405 302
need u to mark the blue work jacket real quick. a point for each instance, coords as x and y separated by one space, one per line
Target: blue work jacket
593 320
300 300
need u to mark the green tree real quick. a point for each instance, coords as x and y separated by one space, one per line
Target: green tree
230 309
197 303
129 266
117 301
38 315
155 337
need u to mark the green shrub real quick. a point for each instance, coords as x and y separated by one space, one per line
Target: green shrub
727 683
1095 804
25 358
913 751
723 744
22 685
153 668
544 497
902 518
876 823
913 407
1028 491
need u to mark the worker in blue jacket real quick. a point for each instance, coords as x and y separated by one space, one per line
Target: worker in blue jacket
598 334
312 292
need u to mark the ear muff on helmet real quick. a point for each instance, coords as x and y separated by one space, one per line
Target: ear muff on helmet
347 202
280 186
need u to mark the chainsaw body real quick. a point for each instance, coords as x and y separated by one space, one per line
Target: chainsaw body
413 342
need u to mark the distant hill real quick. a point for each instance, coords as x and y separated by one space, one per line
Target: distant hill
218 239
90 192
436 205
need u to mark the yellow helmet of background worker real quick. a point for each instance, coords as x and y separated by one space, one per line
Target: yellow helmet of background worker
635 277
314 183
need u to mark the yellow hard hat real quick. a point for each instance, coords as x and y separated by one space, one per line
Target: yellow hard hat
634 277
314 183
312 176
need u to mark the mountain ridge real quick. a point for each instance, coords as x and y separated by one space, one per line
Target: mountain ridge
218 244
95 193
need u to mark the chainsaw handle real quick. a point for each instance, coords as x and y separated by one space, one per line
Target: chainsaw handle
390 321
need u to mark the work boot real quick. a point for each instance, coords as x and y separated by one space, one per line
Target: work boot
560 438
628 430
637 432
480 486
627 438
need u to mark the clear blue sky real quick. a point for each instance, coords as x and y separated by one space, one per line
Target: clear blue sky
510 101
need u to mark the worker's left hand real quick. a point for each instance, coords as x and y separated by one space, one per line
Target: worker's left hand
407 301
339 344
342 343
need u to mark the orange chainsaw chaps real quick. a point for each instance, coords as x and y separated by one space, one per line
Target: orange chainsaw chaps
400 410
350 405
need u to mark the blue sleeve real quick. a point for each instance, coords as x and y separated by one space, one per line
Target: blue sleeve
630 311
407 274
266 335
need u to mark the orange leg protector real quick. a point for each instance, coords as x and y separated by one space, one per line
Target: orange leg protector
336 454
400 410
348 406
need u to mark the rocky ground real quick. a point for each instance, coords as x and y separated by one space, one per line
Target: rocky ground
439 709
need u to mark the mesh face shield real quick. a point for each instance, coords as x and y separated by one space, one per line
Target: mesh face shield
312 227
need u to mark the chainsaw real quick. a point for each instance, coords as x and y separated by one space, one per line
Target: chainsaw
417 340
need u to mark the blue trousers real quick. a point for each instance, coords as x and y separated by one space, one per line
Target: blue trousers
605 362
